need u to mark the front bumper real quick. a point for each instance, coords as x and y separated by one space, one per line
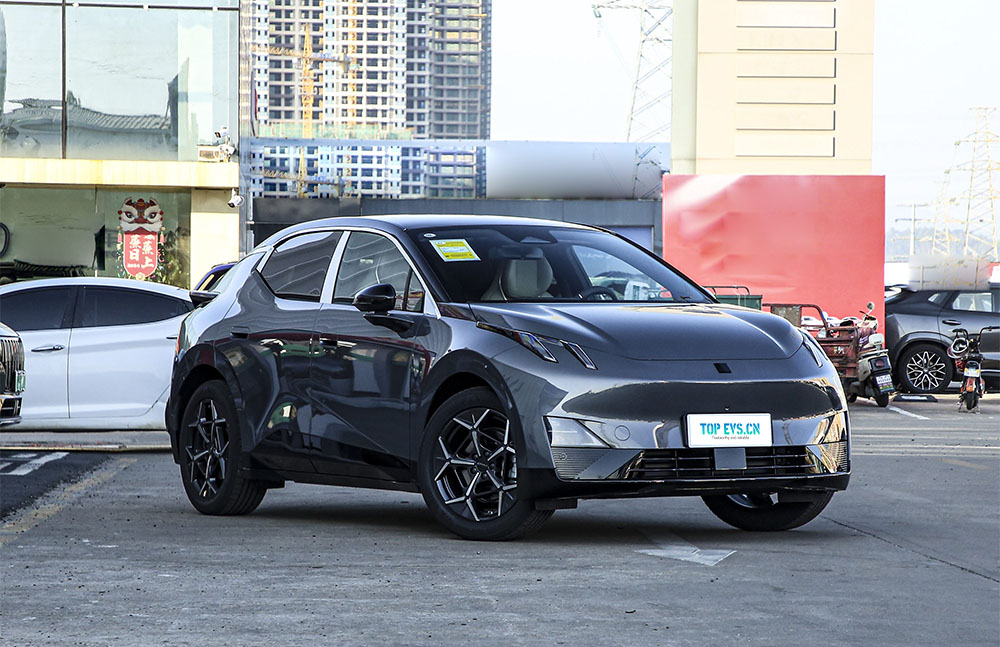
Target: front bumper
10 409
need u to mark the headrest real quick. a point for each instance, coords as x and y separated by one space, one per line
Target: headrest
525 278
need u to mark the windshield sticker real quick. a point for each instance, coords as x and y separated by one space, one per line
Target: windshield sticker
457 249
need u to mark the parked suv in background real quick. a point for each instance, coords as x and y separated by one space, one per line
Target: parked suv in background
919 324
11 376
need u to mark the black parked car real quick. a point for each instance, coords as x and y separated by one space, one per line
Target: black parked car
504 368
918 331
12 376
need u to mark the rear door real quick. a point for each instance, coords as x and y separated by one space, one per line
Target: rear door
42 316
969 309
121 351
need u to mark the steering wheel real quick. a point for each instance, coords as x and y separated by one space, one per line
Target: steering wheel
595 290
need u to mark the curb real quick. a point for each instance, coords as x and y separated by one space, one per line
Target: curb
83 447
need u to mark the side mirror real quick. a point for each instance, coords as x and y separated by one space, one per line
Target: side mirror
376 298
871 306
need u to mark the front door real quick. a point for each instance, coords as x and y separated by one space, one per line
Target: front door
367 367
42 317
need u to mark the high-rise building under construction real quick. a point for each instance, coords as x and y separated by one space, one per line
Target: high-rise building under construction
357 70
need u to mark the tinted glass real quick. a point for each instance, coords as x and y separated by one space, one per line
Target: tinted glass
298 266
539 263
973 302
122 307
370 259
41 309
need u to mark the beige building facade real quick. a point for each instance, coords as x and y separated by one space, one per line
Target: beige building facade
772 86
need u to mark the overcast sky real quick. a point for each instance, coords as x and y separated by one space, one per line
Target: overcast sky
559 73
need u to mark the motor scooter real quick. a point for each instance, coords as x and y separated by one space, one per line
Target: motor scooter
964 349
874 377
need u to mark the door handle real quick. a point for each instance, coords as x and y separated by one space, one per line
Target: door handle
48 349
952 322
328 341
172 337
241 332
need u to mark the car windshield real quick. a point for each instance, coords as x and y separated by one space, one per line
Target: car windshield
537 263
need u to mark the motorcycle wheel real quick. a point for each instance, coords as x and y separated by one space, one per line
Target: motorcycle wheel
971 400
882 400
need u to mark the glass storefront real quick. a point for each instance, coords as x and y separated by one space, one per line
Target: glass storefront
140 82
123 232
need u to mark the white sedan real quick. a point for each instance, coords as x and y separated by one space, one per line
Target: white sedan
98 351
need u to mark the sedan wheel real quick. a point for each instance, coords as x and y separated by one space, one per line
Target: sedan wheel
468 470
209 440
925 368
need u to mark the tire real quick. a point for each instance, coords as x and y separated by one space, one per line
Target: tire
760 512
882 400
210 450
971 400
467 470
852 397
925 368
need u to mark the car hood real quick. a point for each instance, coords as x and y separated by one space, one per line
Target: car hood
653 332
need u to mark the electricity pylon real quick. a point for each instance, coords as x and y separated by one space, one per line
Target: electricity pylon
965 221
649 111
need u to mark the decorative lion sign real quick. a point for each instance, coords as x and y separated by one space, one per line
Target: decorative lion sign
140 236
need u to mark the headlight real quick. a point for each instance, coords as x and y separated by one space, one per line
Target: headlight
536 344
569 432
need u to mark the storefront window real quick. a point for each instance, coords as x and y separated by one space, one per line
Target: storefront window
135 233
142 82
30 85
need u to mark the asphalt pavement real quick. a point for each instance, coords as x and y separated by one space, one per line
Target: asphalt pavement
908 555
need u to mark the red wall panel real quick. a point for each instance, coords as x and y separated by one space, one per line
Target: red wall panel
792 238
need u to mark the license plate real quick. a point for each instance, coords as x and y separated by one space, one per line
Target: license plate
884 382
729 429
972 372
19 381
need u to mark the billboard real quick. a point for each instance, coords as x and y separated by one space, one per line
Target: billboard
791 238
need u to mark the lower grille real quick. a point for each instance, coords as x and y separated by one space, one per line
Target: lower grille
794 460
10 408
11 361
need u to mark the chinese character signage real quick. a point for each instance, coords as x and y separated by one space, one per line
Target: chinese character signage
140 236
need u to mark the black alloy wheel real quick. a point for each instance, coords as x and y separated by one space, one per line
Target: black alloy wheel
763 512
468 470
210 444
925 368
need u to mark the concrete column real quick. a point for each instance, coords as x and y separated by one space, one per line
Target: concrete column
215 231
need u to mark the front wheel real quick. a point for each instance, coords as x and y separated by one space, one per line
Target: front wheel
210 449
971 400
925 368
763 513
467 470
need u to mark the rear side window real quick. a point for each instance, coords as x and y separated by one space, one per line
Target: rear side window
122 307
41 309
298 266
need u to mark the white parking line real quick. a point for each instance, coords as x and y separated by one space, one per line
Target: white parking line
31 466
907 413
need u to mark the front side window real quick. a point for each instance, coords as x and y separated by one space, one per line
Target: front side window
42 309
515 263
298 266
123 307
371 259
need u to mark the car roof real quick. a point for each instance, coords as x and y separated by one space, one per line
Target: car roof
100 281
397 223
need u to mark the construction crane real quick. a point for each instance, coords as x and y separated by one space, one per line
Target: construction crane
301 178
306 56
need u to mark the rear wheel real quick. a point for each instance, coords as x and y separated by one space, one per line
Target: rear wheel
882 400
971 400
467 470
210 449
763 512
925 368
